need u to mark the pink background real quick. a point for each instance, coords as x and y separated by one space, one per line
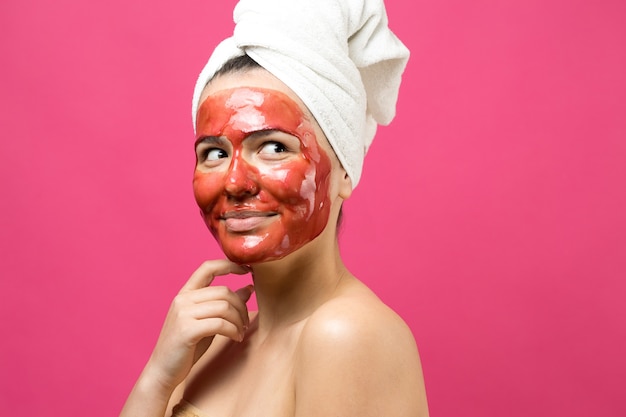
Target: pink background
491 214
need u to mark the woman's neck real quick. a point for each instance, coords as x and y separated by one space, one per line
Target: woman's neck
290 289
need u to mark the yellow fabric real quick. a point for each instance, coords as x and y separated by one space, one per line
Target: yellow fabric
185 409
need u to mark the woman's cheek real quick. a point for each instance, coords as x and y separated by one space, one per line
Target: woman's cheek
286 184
206 189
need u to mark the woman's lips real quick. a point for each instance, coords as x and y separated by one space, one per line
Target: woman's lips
245 221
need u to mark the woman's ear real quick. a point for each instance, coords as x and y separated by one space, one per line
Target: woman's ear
345 185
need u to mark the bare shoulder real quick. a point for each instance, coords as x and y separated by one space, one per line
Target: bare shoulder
357 316
358 356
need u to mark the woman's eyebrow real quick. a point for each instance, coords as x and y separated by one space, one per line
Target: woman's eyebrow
281 134
263 133
211 140
220 140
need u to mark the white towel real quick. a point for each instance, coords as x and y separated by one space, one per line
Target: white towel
338 56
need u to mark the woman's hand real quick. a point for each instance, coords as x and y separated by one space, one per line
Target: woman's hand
197 314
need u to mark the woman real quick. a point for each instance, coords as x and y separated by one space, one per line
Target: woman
271 175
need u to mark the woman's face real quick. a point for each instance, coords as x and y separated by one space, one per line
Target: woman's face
262 177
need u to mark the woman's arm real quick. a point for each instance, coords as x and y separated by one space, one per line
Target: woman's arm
197 314
148 397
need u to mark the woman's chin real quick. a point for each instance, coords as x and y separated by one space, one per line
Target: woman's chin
250 256
246 255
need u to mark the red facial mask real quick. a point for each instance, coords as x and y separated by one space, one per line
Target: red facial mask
261 178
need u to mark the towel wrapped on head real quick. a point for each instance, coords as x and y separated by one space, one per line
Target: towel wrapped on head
338 56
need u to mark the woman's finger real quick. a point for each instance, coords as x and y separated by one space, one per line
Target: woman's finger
245 293
213 326
232 303
236 298
220 309
204 275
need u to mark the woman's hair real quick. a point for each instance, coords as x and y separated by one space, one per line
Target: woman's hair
240 63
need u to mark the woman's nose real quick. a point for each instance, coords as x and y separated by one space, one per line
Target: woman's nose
241 179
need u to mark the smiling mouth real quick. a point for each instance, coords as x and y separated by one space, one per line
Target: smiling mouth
245 221
245 214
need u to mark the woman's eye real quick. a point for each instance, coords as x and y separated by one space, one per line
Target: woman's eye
272 148
214 154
